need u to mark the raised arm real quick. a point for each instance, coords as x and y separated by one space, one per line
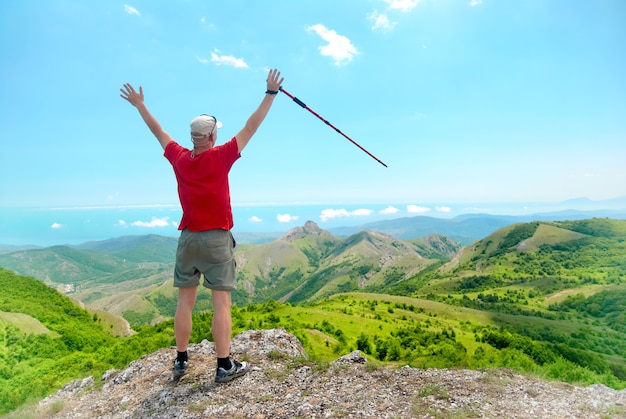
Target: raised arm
254 121
136 99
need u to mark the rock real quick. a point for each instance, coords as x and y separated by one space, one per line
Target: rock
264 342
354 357
282 383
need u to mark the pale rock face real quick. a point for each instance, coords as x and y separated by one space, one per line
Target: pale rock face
310 228
283 384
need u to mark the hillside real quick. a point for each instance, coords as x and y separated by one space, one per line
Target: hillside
390 331
542 271
309 263
115 264
150 248
131 276
573 251
46 339
554 272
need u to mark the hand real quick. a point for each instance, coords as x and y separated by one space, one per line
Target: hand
129 93
274 80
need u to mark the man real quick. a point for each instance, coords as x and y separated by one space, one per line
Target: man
206 245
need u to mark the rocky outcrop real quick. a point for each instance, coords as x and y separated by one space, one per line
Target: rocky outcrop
282 383
310 228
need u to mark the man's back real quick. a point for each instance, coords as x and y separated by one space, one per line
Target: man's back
203 187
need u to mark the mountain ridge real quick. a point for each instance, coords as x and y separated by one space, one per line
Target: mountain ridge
466 228
306 263
271 270
442 226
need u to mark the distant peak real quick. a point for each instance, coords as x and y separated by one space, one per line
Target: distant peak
310 228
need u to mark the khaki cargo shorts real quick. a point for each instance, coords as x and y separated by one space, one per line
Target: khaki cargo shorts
211 253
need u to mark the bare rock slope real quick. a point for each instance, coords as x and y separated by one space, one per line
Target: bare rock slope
282 384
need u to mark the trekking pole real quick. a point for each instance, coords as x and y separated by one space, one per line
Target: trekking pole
302 104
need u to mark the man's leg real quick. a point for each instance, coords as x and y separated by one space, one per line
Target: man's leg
227 369
222 322
182 319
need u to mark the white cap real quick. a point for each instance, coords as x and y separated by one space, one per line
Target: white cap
204 125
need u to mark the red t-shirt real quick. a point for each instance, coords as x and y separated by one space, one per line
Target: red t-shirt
203 187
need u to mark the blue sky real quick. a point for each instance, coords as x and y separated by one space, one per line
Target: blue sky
464 100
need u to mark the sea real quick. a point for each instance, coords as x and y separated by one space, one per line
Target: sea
48 226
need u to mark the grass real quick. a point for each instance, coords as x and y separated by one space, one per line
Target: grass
198 407
24 323
453 316
330 328
293 363
371 366
276 374
29 410
587 291
434 390
277 356
422 407
617 411
547 234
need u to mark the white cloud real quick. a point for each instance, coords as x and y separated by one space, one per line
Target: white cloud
56 226
339 47
380 21
403 5
255 219
389 210
415 209
476 2
329 213
361 212
228 60
131 10
443 209
203 60
122 223
285 218
154 222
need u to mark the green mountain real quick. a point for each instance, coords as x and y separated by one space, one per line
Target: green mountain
131 276
467 228
566 253
309 263
100 270
537 270
545 298
560 283
46 339
150 248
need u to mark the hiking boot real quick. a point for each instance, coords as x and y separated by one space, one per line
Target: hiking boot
180 368
237 370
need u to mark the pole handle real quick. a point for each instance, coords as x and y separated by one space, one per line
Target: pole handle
299 102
